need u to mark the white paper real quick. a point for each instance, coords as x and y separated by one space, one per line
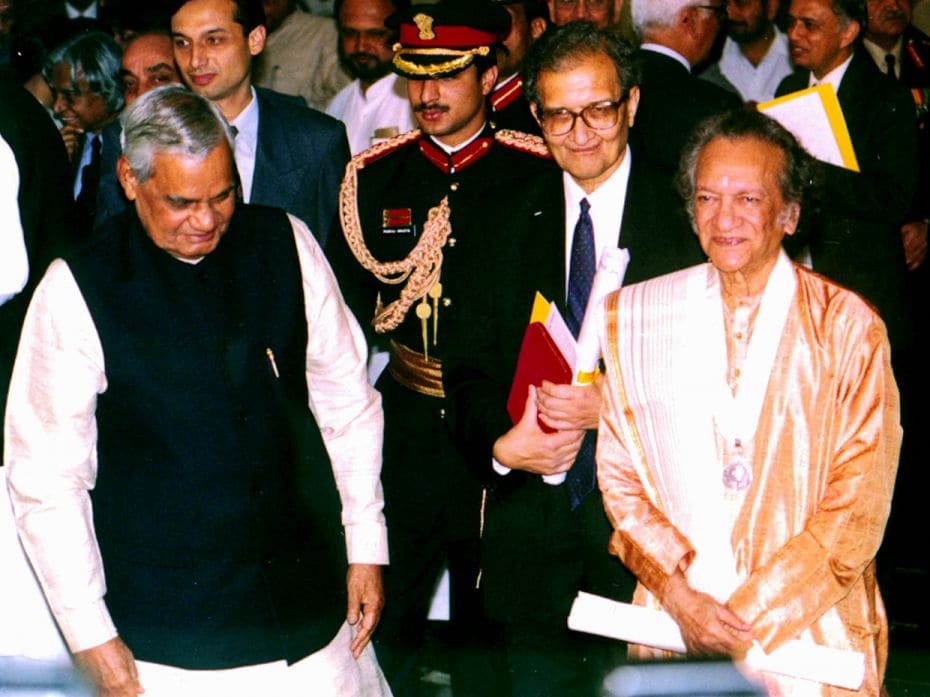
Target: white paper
641 625
608 278
806 117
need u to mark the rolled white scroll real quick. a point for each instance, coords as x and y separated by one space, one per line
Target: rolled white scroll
608 278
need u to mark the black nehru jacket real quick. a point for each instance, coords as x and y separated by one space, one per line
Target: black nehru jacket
215 506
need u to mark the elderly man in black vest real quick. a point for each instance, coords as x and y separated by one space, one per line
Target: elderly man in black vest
189 417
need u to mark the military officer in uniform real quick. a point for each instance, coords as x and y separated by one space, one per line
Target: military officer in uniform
406 209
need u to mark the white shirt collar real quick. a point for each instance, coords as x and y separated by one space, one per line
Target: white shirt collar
75 13
834 77
449 150
607 202
666 51
878 54
246 125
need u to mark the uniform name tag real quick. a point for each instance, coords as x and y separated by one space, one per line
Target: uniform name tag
397 221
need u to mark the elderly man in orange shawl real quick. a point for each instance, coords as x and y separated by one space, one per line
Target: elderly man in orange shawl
750 438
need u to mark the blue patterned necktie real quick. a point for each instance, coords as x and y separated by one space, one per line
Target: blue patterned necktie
581 268
583 262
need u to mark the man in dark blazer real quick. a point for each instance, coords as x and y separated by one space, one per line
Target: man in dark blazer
676 36
288 156
856 238
543 543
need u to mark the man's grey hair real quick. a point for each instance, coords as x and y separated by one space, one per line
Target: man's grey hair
797 181
648 14
94 57
562 48
170 119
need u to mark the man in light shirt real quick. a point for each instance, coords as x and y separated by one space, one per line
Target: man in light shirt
298 57
374 106
755 53
192 445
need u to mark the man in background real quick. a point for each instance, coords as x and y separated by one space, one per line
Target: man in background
298 57
287 156
676 36
374 106
83 75
755 54
509 108
147 63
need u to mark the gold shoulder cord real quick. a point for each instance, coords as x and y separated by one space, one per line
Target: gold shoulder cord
420 268
523 141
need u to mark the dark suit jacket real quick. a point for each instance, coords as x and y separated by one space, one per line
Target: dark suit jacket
524 251
111 200
672 102
856 237
299 161
915 74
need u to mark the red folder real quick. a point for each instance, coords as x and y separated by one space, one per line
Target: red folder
540 359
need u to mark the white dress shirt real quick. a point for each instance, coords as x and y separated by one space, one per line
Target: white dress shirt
246 125
51 434
14 264
756 83
607 205
370 116
834 77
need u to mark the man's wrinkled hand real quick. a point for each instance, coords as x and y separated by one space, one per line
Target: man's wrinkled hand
111 669
570 407
914 238
707 627
527 447
366 599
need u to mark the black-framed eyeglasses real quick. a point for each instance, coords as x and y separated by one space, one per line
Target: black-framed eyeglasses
600 116
719 11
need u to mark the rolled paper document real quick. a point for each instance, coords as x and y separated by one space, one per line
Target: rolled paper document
641 625
608 278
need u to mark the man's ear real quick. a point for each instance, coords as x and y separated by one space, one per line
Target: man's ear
488 80
534 111
632 103
126 178
849 33
256 40
789 218
537 27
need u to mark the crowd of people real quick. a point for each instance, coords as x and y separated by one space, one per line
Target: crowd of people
266 273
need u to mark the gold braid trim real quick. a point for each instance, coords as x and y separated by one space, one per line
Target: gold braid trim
420 268
527 142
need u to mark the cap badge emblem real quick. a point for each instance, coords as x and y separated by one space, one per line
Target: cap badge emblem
425 25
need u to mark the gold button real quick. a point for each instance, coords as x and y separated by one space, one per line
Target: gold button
442 413
454 186
446 302
452 241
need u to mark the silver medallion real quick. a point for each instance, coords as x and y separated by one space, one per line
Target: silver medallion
736 476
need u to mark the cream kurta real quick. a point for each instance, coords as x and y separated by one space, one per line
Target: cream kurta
824 457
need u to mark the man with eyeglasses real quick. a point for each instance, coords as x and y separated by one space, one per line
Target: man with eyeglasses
604 13
543 543
755 54
676 36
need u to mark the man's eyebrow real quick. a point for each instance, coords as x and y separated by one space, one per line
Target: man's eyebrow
158 66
